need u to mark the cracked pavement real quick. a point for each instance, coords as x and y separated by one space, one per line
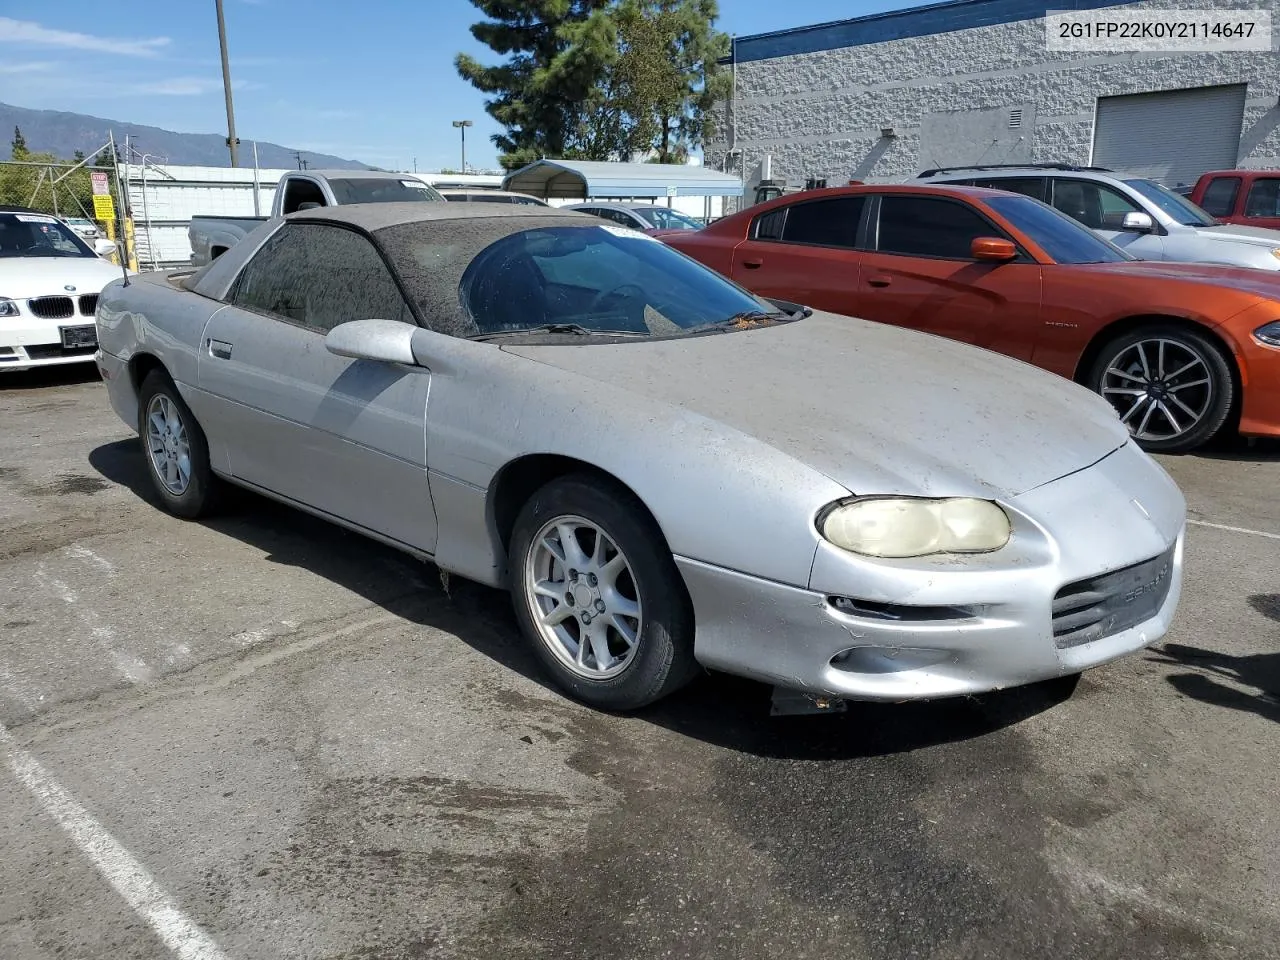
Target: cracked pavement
316 752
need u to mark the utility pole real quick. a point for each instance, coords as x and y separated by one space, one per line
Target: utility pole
232 143
462 128
297 155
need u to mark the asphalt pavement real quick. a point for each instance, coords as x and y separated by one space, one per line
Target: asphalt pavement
260 736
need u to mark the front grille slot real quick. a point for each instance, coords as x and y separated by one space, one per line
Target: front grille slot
52 351
88 304
902 613
1102 606
51 308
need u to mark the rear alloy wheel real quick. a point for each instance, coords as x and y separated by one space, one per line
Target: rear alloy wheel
175 447
599 595
1171 386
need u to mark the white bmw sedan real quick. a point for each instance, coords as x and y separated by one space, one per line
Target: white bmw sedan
49 285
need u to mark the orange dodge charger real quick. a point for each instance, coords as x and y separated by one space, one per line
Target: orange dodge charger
1181 350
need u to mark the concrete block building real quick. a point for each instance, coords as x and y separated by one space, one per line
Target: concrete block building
880 98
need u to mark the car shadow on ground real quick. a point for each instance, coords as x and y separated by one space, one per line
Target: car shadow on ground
1209 668
59 375
716 708
1240 448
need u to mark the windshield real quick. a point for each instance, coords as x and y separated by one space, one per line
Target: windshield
38 235
665 219
1172 204
508 275
381 190
1058 235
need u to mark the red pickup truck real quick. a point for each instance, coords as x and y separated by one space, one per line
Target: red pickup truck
1250 197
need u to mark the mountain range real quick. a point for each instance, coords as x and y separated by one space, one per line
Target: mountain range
62 134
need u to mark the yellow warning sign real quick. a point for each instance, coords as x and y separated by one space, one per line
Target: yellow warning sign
104 208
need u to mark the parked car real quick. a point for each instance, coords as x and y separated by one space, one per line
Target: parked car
1173 347
665 470
640 216
84 228
460 194
212 236
1147 219
50 280
1248 197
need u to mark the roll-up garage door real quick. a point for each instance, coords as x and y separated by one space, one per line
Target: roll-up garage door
1173 136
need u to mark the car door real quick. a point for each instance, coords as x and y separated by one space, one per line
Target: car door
344 436
921 274
1262 203
1102 209
805 252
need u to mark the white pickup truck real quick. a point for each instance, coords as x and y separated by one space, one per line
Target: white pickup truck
213 236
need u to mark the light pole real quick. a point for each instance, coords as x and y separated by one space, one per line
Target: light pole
462 128
232 143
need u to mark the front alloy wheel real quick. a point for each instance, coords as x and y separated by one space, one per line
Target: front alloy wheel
1170 386
598 594
588 607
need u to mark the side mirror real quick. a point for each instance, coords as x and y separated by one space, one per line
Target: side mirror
387 341
1138 222
309 205
104 248
995 249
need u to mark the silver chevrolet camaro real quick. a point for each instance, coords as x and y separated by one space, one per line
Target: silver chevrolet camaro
664 469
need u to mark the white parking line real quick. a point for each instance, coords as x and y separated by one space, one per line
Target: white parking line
1223 526
81 552
120 868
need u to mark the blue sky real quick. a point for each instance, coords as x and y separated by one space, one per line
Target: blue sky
372 81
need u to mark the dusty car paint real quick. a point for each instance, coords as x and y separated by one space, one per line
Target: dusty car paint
735 443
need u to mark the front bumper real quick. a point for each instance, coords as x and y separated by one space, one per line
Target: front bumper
26 349
28 342
1260 409
984 622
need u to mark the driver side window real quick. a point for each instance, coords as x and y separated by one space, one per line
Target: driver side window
318 276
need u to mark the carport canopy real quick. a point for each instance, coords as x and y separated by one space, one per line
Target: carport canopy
596 179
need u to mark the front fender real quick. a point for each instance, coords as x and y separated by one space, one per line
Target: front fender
719 496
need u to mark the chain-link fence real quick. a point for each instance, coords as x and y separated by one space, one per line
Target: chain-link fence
66 190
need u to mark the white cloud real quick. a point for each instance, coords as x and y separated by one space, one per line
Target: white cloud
33 34
40 66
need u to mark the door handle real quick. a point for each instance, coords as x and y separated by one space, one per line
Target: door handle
220 349
878 281
753 264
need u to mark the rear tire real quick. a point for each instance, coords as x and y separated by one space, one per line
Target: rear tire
597 593
1172 386
175 449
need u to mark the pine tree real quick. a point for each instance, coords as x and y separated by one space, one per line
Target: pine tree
599 79
538 107
669 72
18 146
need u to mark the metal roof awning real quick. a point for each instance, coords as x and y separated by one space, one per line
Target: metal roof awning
589 179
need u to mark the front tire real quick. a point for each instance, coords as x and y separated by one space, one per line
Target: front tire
1172 386
175 449
598 594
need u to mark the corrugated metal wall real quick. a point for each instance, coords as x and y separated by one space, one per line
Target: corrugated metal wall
164 198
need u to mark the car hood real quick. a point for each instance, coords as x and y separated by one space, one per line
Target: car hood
1237 233
1262 283
22 277
875 408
